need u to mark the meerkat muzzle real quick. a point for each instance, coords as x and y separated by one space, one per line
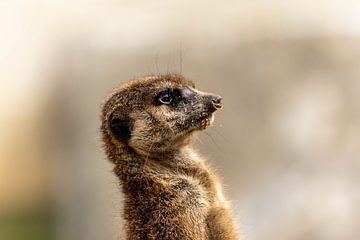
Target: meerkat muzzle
216 102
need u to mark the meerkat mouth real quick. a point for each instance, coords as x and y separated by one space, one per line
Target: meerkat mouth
207 119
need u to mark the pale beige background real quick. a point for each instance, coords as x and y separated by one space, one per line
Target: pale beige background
286 144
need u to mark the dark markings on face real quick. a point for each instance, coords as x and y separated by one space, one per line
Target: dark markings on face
175 98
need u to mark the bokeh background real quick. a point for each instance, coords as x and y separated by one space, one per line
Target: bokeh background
286 144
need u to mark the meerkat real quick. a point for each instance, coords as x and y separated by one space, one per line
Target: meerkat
170 192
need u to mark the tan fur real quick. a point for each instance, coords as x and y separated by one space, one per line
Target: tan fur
170 193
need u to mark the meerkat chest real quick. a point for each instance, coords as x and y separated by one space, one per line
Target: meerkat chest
185 188
203 179
202 189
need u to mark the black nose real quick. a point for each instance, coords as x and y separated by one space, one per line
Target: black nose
216 101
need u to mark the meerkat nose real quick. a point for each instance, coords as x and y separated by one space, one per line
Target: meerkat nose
216 101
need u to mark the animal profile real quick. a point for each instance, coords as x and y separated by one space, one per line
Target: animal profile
170 192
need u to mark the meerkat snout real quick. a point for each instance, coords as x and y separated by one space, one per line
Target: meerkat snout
216 100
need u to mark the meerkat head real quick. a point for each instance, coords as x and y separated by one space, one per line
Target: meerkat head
157 114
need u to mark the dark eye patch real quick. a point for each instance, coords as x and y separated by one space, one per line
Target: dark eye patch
177 93
173 96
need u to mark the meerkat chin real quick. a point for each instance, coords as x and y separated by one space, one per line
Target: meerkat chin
170 193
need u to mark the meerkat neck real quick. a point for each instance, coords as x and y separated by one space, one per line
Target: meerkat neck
183 155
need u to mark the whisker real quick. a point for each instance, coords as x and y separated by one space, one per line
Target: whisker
168 67
222 136
181 59
212 139
197 138
147 156
156 63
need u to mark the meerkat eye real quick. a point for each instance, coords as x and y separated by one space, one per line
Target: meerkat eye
165 97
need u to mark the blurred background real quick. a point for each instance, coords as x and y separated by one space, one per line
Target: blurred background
286 144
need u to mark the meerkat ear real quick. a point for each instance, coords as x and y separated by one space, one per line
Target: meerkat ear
121 126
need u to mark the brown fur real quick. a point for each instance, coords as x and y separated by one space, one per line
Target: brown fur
170 193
